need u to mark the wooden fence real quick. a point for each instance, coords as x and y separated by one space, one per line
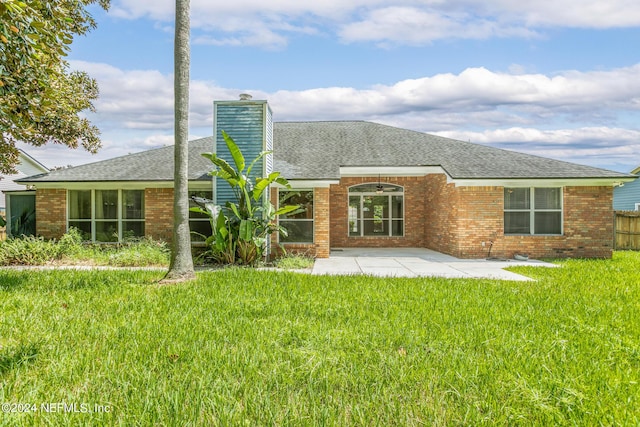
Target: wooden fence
627 230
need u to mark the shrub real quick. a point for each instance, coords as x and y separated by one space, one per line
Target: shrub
28 250
70 249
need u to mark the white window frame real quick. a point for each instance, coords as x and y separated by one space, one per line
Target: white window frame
532 211
93 221
390 219
637 206
312 220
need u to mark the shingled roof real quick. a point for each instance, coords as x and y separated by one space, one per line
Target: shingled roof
150 165
317 151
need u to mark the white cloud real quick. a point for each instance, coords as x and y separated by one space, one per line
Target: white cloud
385 22
415 26
580 112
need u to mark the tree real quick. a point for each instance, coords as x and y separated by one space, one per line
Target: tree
181 267
41 97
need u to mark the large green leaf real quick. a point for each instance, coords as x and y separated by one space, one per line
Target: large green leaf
254 161
222 164
263 183
246 230
287 209
236 154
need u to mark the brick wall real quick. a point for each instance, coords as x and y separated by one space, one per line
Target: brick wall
437 215
321 244
414 214
441 211
51 213
587 226
158 213
322 224
457 220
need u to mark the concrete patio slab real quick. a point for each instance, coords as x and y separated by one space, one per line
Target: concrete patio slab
416 262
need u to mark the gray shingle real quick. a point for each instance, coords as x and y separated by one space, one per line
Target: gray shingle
317 150
150 165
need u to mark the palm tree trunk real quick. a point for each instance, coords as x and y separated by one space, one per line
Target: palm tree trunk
181 267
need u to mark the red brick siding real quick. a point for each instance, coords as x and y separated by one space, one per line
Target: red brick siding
322 224
587 226
158 213
439 216
414 214
51 213
320 246
457 220
441 211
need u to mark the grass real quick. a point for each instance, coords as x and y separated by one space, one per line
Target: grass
246 347
294 262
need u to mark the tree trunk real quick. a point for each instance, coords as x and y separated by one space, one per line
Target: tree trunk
181 267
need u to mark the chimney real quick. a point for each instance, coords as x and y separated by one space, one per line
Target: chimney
249 123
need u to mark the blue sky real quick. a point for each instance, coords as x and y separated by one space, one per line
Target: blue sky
558 79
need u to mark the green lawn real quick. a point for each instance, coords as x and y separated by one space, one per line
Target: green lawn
245 347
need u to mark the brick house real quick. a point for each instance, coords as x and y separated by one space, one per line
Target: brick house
362 184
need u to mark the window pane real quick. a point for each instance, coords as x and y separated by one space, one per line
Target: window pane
106 231
396 206
548 223
302 198
208 195
298 231
132 204
516 198
354 215
517 223
376 227
375 207
84 227
203 195
397 227
547 198
106 204
200 229
80 204
132 229
23 214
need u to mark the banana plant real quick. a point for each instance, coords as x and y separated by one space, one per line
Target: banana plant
244 226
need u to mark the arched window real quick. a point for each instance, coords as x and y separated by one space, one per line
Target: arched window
376 210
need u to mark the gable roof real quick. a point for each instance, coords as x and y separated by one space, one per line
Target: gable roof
27 166
317 151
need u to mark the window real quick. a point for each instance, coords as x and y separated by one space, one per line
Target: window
533 211
376 212
299 224
199 224
107 215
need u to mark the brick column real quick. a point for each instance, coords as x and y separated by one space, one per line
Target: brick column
321 220
158 213
51 212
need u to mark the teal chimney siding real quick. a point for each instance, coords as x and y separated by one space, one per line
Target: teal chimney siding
250 124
